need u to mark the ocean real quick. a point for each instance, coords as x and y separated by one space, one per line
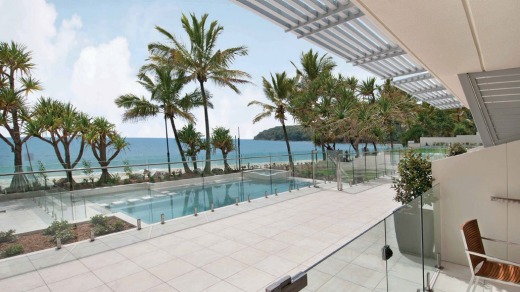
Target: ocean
153 150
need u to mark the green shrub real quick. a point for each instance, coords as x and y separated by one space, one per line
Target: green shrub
100 224
12 250
101 230
456 149
415 177
99 220
60 229
7 236
119 226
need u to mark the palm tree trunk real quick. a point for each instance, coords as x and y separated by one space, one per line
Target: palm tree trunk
68 166
183 157
207 168
291 163
19 181
227 168
105 176
194 161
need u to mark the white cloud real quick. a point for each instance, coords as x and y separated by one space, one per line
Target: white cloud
32 23
100 75
231 111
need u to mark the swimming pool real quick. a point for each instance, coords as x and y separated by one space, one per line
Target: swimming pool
174 202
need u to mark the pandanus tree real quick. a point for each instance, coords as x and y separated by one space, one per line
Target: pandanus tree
201 61
391 107
278 92
16 83
192 141
221 139
60 124
165 86
368 88
312 73
106 143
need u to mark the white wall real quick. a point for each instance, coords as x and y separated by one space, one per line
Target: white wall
467 183
471 139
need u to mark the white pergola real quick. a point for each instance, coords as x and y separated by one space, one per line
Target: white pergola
343 29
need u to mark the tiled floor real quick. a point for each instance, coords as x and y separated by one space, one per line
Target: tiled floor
454 278
244 252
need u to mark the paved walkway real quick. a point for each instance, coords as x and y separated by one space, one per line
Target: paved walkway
244 252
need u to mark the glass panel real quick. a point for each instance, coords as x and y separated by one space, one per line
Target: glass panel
324 169
302 171
257 177
431 223
356 266
403 229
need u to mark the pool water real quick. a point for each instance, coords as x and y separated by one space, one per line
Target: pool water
173 202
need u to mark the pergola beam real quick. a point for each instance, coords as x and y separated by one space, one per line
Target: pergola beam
437 97
409 72
339 9
332 24
389 53
419 77
426 90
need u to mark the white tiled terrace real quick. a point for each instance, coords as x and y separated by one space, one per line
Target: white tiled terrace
267 239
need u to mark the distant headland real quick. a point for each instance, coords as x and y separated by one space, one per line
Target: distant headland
295 133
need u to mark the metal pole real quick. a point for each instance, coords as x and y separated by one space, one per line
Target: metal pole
338 173
365 177
270 173
239 157
375 158
422 239
384 159
313 169
167 146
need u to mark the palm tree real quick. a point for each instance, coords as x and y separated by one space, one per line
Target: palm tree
165 87
392 106
368 89
221 139
279 93
103 138
193 143
15 84
64 124
201 61
314 66
311 77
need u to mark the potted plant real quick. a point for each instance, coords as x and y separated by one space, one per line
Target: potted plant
415 179
456 149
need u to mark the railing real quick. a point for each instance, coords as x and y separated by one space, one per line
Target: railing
131 187
399 253
242 180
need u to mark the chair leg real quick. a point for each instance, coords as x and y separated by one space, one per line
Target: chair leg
470 284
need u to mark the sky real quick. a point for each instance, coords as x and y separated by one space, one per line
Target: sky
88 53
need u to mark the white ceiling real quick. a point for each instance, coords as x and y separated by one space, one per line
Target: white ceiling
450 37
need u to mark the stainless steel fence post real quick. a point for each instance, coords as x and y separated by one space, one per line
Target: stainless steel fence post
375 158
313 164
338 173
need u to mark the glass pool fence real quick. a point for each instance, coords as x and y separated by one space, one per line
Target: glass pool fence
169 190
399 253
